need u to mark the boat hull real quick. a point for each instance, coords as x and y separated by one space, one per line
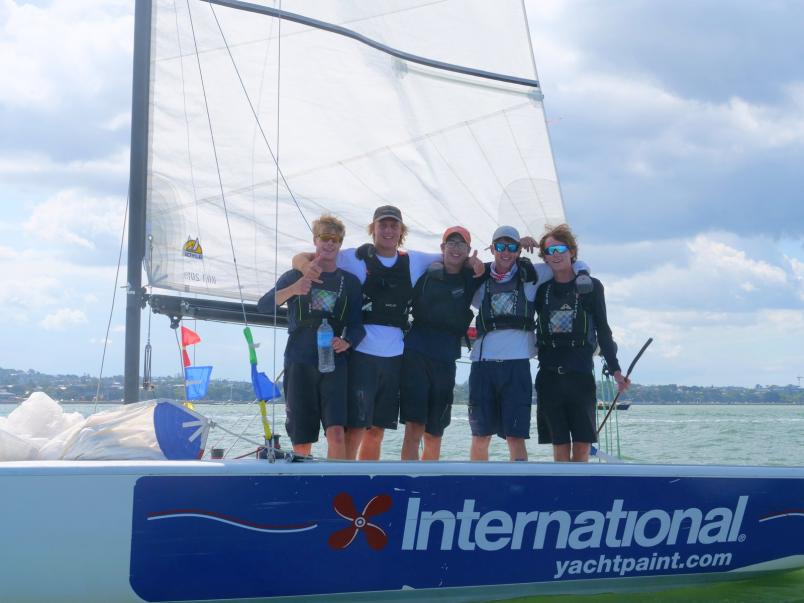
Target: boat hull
237 530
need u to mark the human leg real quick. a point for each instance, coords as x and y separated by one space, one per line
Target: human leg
561 453
362 386
386 407
371 444
336 442
514 383
334 405
581 403
302 384
432 448
439 406
412 441
413 398
483 410
516 448
479 450
580 452
353 438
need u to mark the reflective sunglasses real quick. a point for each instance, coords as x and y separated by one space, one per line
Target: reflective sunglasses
556 249
330 237
511 247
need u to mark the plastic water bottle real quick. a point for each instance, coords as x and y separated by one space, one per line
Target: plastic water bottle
326 355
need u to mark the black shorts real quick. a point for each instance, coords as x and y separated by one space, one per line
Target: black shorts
313 399
500 398
425 395
565 407
373 391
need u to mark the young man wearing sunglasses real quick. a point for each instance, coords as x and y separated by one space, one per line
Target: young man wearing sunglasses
570 327
500 377
441 315
314 398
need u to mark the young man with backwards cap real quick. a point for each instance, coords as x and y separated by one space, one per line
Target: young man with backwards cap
441 315
387 275
500 379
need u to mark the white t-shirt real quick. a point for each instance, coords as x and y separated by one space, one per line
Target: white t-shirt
513 344
383 340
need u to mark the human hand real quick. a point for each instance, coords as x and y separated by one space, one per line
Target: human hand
622 382
477 266
529 244
340 345
312 273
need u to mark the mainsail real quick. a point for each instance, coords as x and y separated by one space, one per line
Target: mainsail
259 124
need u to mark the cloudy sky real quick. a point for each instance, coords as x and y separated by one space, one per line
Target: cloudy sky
678 131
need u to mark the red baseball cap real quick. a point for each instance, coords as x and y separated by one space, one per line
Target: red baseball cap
460 230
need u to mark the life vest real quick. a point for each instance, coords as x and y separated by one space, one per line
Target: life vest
505 306
442 301
387 292
564 320
325 300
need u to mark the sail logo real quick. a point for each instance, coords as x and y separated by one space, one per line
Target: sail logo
360 522
192 248
615 528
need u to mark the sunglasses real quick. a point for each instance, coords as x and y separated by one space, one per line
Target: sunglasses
511 247
556 249
329 237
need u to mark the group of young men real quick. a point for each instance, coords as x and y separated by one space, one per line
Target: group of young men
389 370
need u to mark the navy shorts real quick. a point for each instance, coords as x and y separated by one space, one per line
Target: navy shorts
500 398
426 392
373 391
313 399
565 407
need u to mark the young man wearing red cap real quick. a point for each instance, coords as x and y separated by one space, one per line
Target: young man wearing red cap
441 315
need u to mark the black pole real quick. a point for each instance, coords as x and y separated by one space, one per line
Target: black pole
628 374
140 93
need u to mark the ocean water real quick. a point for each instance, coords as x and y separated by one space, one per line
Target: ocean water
721 434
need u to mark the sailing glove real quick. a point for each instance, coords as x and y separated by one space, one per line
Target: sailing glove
583 283
365 251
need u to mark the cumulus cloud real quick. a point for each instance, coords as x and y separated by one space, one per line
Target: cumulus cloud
53 55
663 157
35 282
62 319
75 217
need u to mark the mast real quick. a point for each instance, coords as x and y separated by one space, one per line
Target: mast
140 94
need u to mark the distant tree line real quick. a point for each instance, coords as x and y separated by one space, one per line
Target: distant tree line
17 385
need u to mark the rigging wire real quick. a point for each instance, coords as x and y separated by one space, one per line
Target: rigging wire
217 166
274 154
111 310
271 452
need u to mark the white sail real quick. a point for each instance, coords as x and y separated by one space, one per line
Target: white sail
352 127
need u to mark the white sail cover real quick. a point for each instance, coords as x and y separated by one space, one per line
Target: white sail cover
352 128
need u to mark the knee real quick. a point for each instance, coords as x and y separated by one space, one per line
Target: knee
335 434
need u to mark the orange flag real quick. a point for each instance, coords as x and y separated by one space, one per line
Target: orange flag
188 337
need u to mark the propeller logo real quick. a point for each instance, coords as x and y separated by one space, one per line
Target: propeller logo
345 507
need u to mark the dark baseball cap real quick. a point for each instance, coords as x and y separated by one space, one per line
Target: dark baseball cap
387 211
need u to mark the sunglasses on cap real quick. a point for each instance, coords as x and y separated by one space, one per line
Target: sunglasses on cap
556 249
511 247
330 237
